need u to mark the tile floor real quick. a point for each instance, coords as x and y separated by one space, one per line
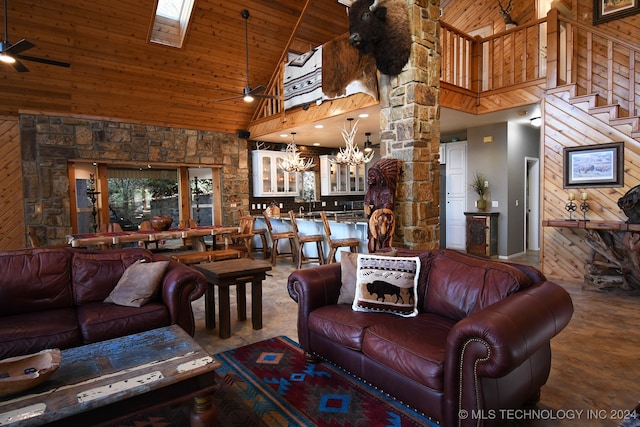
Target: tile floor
595 373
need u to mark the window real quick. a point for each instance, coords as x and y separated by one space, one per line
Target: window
126 194
171 22
135 195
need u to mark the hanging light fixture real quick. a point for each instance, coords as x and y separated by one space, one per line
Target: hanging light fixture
351 154
367 144
293 161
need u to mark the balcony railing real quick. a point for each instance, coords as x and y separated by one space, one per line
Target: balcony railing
479 64
554 48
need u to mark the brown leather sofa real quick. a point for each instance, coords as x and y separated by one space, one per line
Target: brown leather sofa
480 343
53 298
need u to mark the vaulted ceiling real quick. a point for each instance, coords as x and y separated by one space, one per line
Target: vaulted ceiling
116 72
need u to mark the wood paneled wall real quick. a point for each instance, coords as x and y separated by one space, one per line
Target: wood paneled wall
566 125
12 226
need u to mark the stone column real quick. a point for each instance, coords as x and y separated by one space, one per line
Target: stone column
410 130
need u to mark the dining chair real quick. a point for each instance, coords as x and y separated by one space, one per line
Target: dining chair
301 239
353 243
275 238
262 233
112 227
243 241
183 223
33 238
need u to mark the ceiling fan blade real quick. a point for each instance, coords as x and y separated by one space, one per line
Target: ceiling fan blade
229 98
20 46
44 61
19 67
257 90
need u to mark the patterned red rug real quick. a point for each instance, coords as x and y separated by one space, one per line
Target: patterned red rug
270 383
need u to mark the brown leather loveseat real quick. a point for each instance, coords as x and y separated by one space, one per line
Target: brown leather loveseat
53 298
479 343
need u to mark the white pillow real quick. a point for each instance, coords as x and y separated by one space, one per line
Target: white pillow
387 285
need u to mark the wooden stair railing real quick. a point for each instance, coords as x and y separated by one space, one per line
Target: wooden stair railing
270 107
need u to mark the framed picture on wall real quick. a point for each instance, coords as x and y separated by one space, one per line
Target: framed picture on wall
608 10
600 165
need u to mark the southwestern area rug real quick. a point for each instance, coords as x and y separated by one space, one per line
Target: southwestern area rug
270 383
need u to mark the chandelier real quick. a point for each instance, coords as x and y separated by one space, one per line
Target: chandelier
351 154
292 161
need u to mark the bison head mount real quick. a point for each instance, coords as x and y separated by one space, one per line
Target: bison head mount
381 28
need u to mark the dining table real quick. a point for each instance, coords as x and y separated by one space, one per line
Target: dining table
195 234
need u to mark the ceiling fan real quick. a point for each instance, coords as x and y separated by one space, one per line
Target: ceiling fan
248 94
12 53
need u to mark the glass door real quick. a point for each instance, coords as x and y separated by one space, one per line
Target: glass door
201 195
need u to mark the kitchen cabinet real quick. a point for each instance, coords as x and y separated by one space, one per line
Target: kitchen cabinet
268 179
340 180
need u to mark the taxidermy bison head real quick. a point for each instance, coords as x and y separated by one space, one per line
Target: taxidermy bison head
381 27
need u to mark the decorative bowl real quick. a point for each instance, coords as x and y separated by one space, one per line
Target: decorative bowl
161 222
21 373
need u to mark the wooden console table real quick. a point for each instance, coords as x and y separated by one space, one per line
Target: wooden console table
615 252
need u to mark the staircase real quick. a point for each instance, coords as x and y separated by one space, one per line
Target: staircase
594 104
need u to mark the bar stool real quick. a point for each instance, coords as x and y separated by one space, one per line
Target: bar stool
275 237
300 240
351 242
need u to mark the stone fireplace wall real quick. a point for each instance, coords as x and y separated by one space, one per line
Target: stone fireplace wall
411 130
49 142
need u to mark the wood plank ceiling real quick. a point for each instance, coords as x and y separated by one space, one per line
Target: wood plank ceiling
115 72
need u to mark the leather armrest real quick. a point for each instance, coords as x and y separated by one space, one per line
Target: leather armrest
494 341
180 286
312 288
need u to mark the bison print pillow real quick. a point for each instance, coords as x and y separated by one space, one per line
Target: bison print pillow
387 284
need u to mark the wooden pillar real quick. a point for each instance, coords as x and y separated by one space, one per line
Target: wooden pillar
410 130
553 43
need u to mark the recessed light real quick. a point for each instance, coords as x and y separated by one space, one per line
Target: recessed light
316 144
363 115
319 126
284 135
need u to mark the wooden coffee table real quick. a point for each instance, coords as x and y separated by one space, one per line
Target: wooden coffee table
228 273
110 379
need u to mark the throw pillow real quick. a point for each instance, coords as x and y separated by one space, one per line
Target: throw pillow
138 284
387 284
348 264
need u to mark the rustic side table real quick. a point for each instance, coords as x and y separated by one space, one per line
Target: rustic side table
224 274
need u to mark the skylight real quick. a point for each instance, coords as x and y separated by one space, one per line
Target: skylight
171 21
170 9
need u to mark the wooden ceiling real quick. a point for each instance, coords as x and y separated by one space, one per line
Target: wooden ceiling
116 72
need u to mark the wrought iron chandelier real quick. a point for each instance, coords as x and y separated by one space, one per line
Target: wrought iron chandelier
293 161
351 154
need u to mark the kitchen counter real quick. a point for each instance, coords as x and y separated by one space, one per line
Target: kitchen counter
347 224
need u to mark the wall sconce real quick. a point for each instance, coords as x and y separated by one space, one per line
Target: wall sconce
536 121
367 144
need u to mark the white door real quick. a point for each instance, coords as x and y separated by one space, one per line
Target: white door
532 207
456 157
